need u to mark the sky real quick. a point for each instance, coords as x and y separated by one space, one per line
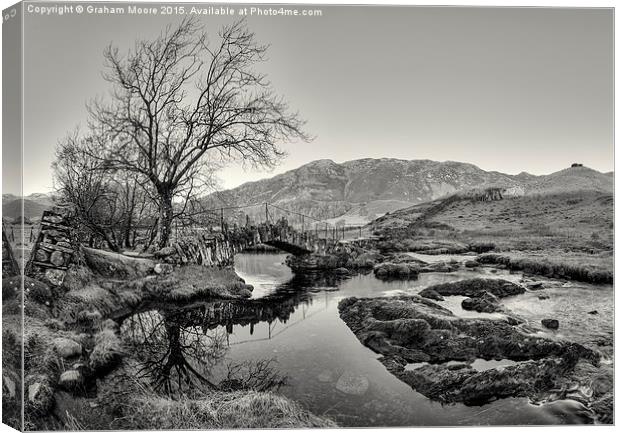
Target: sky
507 89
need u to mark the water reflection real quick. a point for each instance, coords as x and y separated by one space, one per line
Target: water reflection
290 332
179 349
175 357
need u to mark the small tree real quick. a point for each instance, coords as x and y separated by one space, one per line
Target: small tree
107 204
179 104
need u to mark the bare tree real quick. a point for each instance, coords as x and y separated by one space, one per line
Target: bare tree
107 204
180 103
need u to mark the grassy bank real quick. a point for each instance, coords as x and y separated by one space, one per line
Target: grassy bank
222 410
74 353
561 235
566 267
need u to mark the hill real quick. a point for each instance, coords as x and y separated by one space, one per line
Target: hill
33 209
571 179
359 190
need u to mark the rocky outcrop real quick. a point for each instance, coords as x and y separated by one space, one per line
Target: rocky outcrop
477 287
402 271
412 329
484 303
483 294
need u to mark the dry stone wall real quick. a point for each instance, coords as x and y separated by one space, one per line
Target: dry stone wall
53 250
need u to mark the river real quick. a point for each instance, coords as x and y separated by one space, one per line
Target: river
294 321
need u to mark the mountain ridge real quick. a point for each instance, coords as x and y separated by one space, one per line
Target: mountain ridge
327 190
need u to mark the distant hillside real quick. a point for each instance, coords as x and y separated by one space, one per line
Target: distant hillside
558 220
359 190
572 208
571 179
34 205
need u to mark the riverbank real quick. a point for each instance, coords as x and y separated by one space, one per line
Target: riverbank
74 351
386 256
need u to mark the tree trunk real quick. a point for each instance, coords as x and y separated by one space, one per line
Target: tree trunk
165 218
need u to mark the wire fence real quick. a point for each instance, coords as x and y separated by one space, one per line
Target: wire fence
230 217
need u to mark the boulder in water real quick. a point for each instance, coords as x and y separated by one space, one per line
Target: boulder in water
402 271
431 294
550 323
476 287
534 285
484 303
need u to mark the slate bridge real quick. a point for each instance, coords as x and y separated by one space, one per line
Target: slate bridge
205 245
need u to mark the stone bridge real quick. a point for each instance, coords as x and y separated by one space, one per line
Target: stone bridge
202 246
56 245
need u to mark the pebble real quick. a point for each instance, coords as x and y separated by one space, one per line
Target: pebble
325 376
352 384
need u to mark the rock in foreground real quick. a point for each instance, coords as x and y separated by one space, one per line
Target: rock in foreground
412 329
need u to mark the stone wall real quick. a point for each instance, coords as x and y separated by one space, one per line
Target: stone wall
53 250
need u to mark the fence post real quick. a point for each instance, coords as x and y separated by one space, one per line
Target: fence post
222 219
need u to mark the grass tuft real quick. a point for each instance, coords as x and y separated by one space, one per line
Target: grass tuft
230 410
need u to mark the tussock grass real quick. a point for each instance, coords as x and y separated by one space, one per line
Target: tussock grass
221 410
555 269
107 352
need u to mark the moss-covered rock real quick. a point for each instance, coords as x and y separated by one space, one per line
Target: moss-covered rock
412 329
476 287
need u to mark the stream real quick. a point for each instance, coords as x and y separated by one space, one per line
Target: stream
294 322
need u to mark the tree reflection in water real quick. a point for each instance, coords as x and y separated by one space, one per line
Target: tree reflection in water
174 358
179 349
178 358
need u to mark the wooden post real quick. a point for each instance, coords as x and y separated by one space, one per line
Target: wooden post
266 214
222 219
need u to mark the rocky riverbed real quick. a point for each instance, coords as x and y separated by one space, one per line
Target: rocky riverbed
430 348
